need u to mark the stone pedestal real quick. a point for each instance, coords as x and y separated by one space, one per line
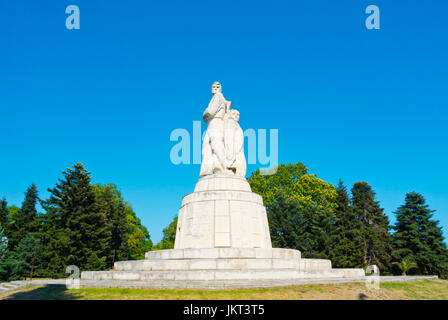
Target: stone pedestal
222 264
222 236
222 212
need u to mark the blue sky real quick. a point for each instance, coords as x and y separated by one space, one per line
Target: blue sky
350 103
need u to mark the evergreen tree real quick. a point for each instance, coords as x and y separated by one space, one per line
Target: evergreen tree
26 220
6 264
75 231
418 238
25 252
3 243
377 246
129 239
112 206
286 225
4 215
348 238
16 265
302 227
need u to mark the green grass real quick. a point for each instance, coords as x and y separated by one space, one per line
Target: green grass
416 290
421 290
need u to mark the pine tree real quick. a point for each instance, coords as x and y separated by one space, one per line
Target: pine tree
4 215
418 238
129 239
5 263
286 226
3 243
305 228
25 252
26 220
377 246
348 239
112 206
75 230
16 265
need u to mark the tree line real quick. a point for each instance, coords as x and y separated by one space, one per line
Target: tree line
92 226
324 221
83 224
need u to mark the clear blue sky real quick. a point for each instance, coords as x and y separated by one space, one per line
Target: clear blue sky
350 103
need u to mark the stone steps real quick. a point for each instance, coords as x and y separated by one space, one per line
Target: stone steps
213 285
223 253
222 264
220 275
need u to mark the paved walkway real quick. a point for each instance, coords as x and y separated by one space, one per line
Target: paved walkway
13 285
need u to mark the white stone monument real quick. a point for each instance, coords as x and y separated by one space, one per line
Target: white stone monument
222 212
222 233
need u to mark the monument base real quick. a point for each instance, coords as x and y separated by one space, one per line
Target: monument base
222 236
222 264
222 212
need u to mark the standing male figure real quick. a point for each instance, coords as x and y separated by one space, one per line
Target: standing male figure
213 149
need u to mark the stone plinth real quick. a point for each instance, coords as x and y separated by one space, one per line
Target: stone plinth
220 264
222 236
222 212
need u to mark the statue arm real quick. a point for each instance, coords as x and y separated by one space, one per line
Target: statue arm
213 107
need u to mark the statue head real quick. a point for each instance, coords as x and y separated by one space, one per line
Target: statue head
235 115
216 87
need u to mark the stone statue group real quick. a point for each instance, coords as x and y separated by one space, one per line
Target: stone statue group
223 144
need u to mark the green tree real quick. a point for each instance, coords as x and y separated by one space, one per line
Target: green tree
295 182
419 238
139 240
286 225
25 252
13 212
5 264
299 208
377 246
302 227
4 215
26 220
16 265
3 243
129 238
348 237
112 206
404 266
75 230
169 236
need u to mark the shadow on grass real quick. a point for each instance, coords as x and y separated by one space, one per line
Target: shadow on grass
362 296
47 292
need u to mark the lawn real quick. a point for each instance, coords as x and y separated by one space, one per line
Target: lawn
426 289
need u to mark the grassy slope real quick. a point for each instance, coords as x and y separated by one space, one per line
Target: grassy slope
427 289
